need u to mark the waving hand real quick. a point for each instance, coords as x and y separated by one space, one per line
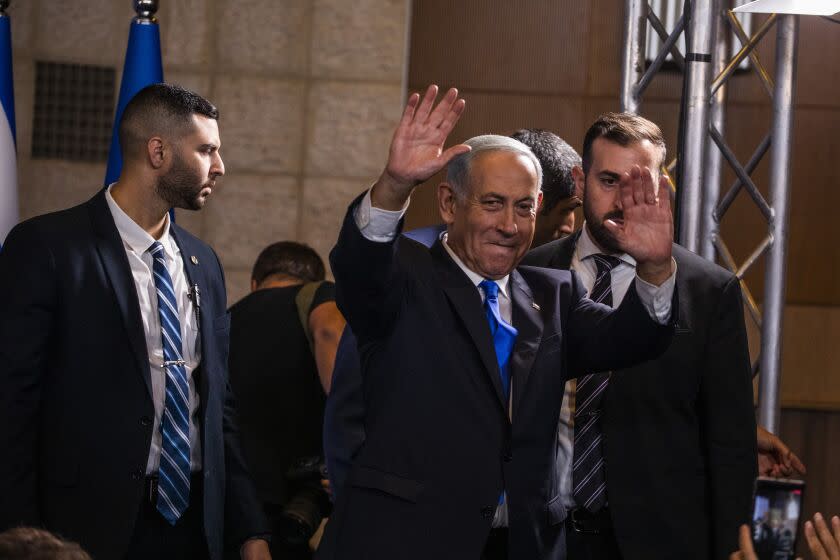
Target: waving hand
416 151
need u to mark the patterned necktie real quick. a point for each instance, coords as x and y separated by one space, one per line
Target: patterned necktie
174 470
588 477
504 335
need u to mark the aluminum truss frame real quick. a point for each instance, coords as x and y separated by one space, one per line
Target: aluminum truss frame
704 151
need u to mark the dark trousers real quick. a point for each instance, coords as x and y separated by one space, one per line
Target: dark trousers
590 536
496 547
155 538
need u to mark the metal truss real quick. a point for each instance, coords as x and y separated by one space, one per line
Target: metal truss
708 26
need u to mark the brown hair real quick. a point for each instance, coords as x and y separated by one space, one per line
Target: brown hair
623 129
27 543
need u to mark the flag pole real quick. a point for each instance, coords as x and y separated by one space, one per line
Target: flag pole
142 67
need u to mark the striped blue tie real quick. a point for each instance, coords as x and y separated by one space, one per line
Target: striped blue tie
174 470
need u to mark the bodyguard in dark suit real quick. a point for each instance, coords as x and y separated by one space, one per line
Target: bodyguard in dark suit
464 356
116 421
686 419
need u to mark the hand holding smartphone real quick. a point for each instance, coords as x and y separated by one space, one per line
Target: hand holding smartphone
775 520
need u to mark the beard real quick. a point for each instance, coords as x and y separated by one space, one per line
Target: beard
179 187
602 236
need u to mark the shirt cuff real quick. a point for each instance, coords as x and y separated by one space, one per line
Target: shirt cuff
376 224
657 299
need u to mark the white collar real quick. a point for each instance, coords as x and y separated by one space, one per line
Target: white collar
586 247
138 239
474 277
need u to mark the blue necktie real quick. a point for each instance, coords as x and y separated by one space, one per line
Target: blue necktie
174 470
504 335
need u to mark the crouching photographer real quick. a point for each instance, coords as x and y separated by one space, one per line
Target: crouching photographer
283 340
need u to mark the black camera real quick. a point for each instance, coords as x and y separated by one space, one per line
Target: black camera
309 503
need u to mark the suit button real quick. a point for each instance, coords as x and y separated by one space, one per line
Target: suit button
136 474
487 512
507 457
145 421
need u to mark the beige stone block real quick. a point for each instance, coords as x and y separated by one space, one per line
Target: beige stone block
263 36
92 32
49 185
20 15
199 83
325 202
24 86
261 123
246 213
351 127
183 31
365 39
238 284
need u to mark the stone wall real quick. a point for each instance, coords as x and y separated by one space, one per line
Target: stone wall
308 90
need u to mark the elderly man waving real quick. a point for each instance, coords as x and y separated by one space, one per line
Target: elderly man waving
465 355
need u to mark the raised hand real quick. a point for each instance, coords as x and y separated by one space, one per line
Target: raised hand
647 231
416 151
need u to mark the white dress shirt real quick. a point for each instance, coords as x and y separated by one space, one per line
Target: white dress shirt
137 243
657 301
379 225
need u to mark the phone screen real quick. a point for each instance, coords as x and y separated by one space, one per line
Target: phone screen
775 518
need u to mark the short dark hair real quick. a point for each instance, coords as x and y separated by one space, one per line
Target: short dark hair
27 543
623 129
557 158
289 258
159 109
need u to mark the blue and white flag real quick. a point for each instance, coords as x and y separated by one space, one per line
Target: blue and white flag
8 151
142 67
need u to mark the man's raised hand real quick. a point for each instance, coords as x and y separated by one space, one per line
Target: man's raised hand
416 151
647 230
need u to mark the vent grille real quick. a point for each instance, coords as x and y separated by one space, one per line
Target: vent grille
74 108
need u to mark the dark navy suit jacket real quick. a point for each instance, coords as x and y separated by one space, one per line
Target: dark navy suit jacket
440 446
344 416
686 419
76 404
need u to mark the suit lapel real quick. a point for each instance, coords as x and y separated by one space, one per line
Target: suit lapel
111 251
529 324
562 257
466 301
197 281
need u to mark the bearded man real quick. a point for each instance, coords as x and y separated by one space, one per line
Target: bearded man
116 421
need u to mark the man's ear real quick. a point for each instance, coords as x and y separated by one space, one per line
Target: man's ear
253 285
446 202
156 152
580 181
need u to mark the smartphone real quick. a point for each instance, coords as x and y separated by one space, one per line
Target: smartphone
775 518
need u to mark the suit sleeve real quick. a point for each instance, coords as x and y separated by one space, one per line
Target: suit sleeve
727 415
604 339
28 295
369 281
244 516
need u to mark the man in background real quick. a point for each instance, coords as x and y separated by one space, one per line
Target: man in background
675 438
116 422
556 217
283 340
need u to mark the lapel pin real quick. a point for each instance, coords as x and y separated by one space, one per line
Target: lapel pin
535 306
194 259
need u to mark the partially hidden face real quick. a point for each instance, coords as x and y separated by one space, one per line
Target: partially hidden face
600 186
491 227
195 165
